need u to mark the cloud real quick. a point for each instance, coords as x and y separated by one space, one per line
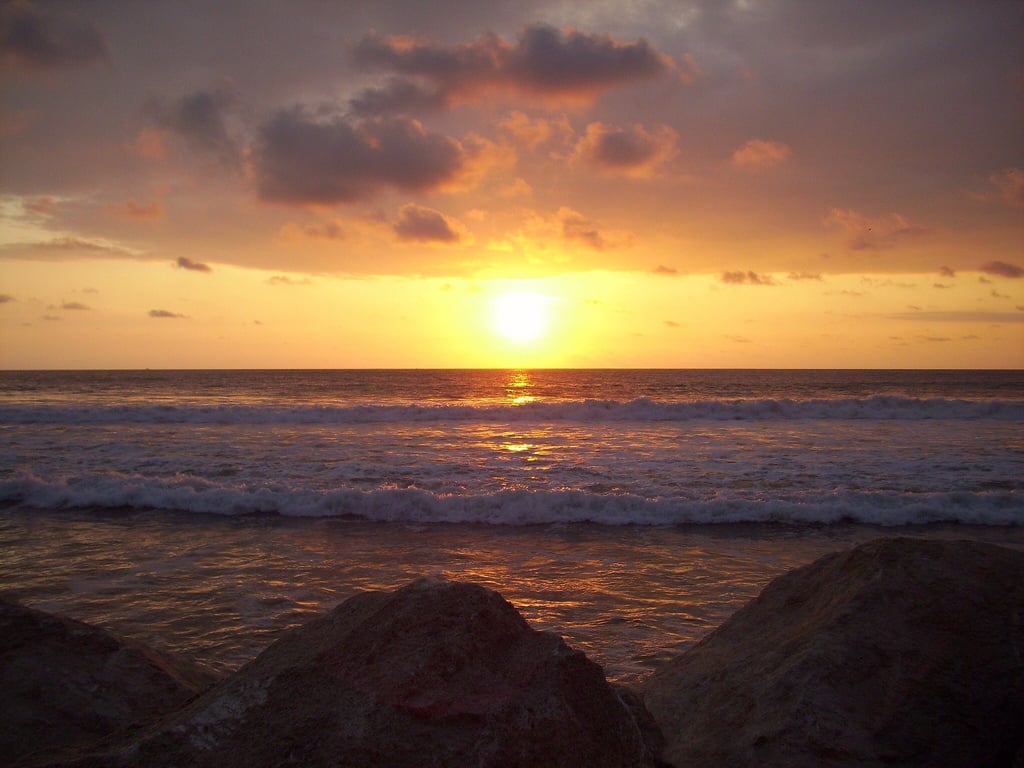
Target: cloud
672 324
166 314
954 316
285 280
66 247
302 160
746 278
543 61
75 305
866 233
36 41
398 96
200 119
947 271
1010 185
329 230
758 154
533 131
184 262
804 276
1001 269
634 150
4 298
661 269
130 209
425 225
577 227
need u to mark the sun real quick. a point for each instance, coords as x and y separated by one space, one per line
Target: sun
520 316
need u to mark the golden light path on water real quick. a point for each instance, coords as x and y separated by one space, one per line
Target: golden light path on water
219 590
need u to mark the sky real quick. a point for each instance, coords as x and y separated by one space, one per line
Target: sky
398 183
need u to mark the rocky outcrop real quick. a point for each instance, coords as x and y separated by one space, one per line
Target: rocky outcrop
63 682
435 674
901 652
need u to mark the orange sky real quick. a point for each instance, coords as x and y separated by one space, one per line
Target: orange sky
670 184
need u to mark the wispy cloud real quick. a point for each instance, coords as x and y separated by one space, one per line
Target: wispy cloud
164 314
960 316
1001 269
870 233
759 154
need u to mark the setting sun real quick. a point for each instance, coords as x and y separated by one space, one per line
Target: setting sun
520 316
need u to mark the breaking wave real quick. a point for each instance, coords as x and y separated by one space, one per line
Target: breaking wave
882 407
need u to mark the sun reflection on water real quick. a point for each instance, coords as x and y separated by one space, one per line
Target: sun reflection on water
519 388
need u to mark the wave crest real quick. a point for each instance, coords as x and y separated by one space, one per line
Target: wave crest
883 407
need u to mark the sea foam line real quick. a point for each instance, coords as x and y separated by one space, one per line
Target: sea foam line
883 407
116 491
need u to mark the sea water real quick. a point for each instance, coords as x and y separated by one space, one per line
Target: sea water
631 511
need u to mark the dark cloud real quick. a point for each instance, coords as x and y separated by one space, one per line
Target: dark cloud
397 96
75 305
184 262
746 278
1001 269
200 119
626 149
34 40
804 276
543 61
4 298
661 269
947 271
425 225
302 160
671 324
165 314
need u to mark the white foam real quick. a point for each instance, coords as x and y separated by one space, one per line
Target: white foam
513 507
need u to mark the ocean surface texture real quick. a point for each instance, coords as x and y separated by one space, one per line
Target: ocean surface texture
631 510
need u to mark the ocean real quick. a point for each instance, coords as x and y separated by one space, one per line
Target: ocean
631 511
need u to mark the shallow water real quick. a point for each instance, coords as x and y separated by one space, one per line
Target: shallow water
220 589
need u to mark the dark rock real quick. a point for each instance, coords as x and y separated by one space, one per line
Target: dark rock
434 674
63 682
900 652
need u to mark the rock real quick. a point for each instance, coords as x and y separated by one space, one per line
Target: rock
435 674
900 652
65 682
